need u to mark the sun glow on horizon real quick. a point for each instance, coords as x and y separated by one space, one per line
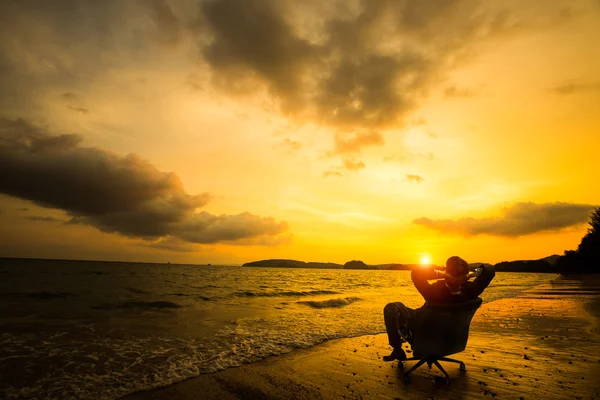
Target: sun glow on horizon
425 259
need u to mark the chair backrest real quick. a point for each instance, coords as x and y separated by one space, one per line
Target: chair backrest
443 329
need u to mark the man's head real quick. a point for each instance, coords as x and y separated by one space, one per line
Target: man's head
457 267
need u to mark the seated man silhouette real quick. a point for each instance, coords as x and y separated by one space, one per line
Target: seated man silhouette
452 286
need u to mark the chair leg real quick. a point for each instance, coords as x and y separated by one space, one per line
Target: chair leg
417 365
452 360
437 364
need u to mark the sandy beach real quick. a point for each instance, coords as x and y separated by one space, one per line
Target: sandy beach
544 344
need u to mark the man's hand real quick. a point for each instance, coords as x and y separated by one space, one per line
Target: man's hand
473 267
475 272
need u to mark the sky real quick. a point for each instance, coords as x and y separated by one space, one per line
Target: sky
227 131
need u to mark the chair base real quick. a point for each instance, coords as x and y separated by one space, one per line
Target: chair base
432 360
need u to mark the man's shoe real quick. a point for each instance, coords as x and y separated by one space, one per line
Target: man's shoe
397 354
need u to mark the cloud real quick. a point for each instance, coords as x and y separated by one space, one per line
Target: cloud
517 220
354 67
70 96
410 178
353 144
291 144
170 243
74 102
352 164
358 68
169 28
69 46
45 219
332 172
573 87
79 109
418 121
123 194
454 92
203 227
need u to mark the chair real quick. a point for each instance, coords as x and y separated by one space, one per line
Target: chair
439 331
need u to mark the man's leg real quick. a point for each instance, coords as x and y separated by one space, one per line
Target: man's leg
397 317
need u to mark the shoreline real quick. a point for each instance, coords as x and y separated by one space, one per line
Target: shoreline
543 344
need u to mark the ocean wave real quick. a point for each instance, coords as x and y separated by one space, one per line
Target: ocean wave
284 293
100 365
203 287
331 303
43 295
137 304
137 291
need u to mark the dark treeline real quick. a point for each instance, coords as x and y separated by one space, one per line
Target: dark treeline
586 259
526 266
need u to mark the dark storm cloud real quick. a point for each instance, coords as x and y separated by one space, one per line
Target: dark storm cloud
356 69
572 87
45 219
517 220
170 243
203 227
123 194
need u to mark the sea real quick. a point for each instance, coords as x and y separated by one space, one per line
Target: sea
102 330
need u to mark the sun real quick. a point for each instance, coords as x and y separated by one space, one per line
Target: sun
425 259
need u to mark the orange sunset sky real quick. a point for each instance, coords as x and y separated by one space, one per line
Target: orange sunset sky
226 131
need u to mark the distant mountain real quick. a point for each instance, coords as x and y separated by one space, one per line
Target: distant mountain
546 264
284 263
354 264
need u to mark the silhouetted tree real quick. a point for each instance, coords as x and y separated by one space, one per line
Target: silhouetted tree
586 259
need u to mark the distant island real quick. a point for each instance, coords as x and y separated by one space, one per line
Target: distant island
355 264
546 264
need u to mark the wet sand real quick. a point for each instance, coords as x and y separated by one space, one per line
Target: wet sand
542 345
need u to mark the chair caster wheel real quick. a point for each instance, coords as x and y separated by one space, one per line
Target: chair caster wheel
439 379
407 378
463 367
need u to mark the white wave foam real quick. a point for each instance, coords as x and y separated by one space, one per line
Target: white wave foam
331 303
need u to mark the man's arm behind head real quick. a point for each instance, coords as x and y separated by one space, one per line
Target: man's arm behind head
484 276
420 275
